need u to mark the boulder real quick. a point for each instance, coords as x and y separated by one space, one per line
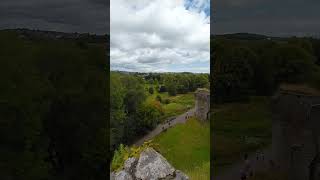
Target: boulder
181 176
123 175
152 165
130 164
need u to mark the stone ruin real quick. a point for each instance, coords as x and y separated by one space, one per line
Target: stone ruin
296 134
202 104
149 166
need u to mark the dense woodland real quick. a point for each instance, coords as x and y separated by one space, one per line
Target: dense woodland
131 115
53 107
246 65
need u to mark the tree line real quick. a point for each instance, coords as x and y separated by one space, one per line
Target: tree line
242 68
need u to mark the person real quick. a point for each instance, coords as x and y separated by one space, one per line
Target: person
257 155
243 175
262 155
247 169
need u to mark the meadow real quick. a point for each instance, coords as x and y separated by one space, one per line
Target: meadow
240 128
187 148
176 104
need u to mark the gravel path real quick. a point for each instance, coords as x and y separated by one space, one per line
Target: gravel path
233 173
179 119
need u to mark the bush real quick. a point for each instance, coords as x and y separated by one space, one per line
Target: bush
167 101
163 89
125 152
158 98
172 89
149 115
119 157
151 91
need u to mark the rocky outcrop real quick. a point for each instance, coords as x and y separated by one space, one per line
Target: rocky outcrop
150 166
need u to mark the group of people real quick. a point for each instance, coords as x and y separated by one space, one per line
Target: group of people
248 168
168 122
187 115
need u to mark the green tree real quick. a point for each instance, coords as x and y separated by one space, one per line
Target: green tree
151 90
232 74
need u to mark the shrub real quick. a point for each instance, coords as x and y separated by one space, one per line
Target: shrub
151 90
119 157
163 89
158 98
167 101
125 152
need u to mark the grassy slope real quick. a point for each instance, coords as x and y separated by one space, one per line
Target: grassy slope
178 104
233 121
187 148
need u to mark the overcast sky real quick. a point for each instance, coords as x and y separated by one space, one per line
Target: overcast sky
58 15
160 35
270 17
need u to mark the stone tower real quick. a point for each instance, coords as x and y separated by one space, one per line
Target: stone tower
202 107
296 132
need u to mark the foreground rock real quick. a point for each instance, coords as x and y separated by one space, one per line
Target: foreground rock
150 166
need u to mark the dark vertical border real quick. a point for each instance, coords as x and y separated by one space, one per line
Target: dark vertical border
108 89
211 88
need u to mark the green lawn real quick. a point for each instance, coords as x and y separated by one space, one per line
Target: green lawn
187 148
232 122
178 104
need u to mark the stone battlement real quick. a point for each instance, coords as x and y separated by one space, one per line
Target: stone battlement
202 107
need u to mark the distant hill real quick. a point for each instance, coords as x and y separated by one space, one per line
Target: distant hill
243 36
252 36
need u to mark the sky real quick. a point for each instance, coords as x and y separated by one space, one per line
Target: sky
56 15
160 35
268 17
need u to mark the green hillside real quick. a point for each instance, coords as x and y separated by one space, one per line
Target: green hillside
187 148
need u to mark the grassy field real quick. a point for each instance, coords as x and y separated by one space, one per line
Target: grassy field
187 148
178 104
240 128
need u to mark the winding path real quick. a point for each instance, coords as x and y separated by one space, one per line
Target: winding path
179 119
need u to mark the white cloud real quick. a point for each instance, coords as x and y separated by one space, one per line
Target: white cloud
158 35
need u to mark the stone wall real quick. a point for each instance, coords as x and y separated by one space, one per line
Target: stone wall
202 104
294 122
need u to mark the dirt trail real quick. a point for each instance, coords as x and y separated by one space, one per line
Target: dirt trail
179 119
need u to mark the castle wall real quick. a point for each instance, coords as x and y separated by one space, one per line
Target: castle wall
280 146
202 105
293 146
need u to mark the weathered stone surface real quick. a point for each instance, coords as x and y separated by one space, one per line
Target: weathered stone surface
112 176
180 176
294 128
202 104
130 165
123 175
152 165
